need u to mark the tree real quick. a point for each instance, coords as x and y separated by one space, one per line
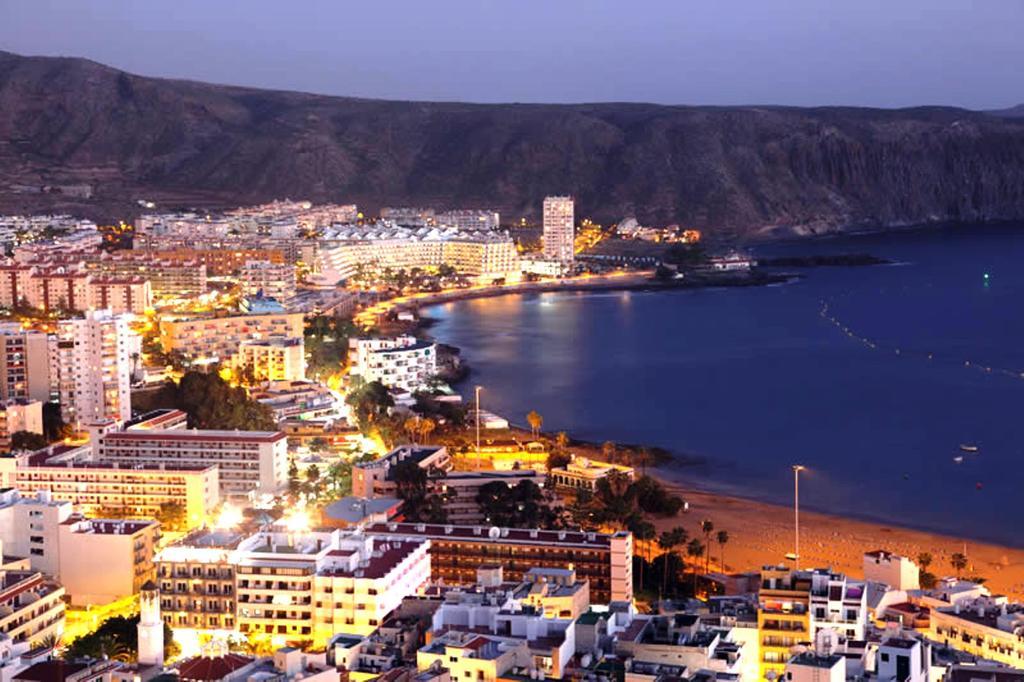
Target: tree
723 539
520 506
427 427
959 562
412 427
695 550
924 560
609 451
642 458
313 478
212 403
172 516
413 488
26 440
668 541
294 484
370 401
562 441
706 527
925 577
116 638
643 533
535 421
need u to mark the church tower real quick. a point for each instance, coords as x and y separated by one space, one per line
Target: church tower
151 626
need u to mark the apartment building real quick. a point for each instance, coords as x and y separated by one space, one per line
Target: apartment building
248 462
376 478
898 572
469 220
220 260
71 287
604 560
274 359
217 339
985 626
794 604
19 415
24 363
460 490
288 585
93 359
136 490
559 229
264 278
31 607
103 560
399 362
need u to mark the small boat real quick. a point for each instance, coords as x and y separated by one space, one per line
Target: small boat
968 448
959 459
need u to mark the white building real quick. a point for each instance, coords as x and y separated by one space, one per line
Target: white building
96 560
289 583
399 362
559 229
273 280
248 462
93 359
898 572
20 415
273 359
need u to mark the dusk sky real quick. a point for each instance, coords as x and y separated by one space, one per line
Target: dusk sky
886 53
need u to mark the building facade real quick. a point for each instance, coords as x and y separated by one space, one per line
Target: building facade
559 229
400 362
93 360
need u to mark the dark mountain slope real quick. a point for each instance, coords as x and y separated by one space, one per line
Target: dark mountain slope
733 170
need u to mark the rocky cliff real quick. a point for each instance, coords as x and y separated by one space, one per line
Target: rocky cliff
80 128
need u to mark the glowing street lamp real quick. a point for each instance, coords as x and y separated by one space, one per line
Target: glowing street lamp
797 468
478 455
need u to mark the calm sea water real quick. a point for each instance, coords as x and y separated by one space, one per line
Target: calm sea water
753 380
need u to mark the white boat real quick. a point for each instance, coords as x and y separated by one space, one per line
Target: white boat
959 459
968 448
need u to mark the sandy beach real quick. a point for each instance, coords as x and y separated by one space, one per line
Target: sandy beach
761 534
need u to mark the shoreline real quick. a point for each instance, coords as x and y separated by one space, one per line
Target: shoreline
761 533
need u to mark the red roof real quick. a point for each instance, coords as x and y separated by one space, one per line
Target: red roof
209 669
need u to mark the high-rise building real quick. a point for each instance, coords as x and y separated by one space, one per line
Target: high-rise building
24 363
94 368
559 231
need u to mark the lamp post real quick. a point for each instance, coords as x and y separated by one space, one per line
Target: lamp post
797 468
478 426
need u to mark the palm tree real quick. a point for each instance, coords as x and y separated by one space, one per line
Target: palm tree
643 458
707 527
924 560
959 562
695 550
562 441
723 538
535 421
668 541
411 426
609 451
427 427
643 532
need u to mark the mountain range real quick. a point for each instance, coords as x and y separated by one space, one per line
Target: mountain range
87 138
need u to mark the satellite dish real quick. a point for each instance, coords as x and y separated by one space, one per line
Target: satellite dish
494 533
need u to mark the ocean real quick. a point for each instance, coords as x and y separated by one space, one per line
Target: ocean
871 377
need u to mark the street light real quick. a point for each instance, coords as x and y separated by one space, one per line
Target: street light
478 457
797 468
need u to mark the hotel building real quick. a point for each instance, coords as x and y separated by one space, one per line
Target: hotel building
274 359
134 490
31 607
375 479
582 473
401 362
794 604
72 287
93 362
273 280
248 462
988 627
217 339
103 560
604 560
19 415
24 363
288 586
559 229
469 220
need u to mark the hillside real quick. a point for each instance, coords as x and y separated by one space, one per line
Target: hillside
731 170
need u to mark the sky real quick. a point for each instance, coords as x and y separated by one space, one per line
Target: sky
887 53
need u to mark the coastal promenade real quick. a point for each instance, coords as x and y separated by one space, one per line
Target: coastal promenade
618 280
